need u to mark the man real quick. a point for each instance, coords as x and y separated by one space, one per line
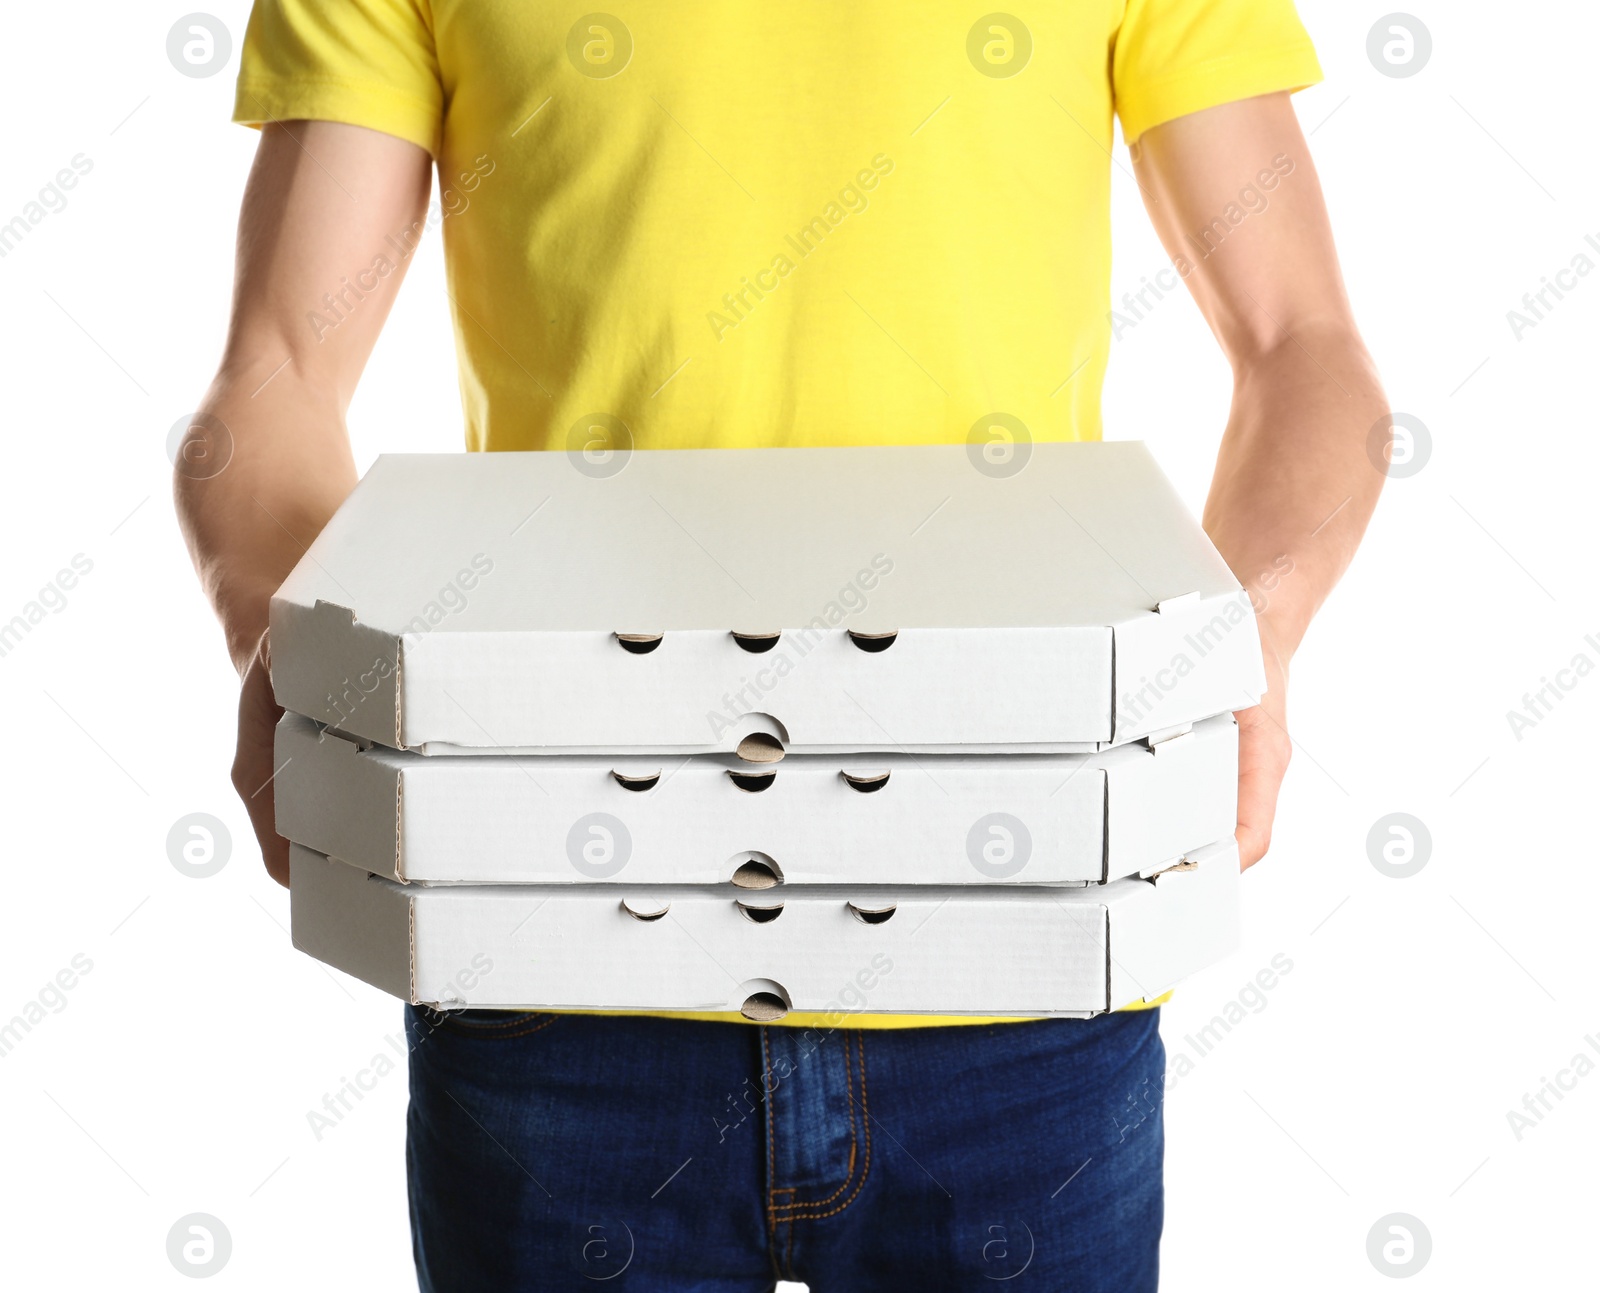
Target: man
737 224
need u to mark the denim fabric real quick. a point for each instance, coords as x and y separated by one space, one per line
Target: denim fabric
550 1152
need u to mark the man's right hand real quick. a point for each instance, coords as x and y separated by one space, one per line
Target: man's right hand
253 767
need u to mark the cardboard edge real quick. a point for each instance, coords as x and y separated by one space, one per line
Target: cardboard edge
326 787
400 826
1111 960
351 920
1135 655
1168 916
1198 751
311 644
1105 824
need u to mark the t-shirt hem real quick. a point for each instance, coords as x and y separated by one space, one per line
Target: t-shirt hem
351 103
1225 80
844 1019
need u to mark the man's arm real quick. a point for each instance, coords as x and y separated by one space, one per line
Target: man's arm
1294 482
321 199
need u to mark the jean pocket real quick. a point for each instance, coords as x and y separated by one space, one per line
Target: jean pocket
486 1025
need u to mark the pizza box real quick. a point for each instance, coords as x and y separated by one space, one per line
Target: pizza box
984 950
764 601
890 819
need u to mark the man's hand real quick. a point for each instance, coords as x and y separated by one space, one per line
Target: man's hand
253 768
1235 198
1264 750
272 460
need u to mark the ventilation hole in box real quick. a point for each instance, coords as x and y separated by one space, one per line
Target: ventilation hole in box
871 915
866 782
628 781
641 909
759 747
873 641
757 643
639 643
752 782
757 871
764 1007
761 915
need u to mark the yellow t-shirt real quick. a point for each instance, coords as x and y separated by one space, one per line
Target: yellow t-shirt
732 223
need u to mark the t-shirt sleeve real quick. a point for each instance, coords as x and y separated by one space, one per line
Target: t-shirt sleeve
1174 57
363 62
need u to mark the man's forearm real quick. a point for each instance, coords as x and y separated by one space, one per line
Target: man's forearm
320 201
288 467
1295 483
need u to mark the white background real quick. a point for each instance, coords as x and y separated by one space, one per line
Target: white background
1377 1078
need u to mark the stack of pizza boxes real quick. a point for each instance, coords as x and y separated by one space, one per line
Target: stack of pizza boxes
892 729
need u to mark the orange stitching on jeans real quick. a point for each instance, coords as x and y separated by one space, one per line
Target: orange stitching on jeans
766 1099
850 1103
850 1092
772 1162
866 1126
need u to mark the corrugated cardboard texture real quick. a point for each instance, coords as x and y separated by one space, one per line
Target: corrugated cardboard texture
352 920
987 950
515 594
1194 919
1066 819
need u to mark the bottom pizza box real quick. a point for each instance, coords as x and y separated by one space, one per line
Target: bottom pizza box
915 949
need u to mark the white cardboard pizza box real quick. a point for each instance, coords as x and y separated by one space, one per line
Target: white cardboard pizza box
831 599
885 819
988 950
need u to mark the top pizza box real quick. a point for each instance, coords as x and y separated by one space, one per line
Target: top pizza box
761 601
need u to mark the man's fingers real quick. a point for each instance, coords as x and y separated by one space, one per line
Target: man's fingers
253 769
252 778
1264 751
1258 802
1254 831
274 848
275 854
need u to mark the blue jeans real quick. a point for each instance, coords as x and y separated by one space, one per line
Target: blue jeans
550 1152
